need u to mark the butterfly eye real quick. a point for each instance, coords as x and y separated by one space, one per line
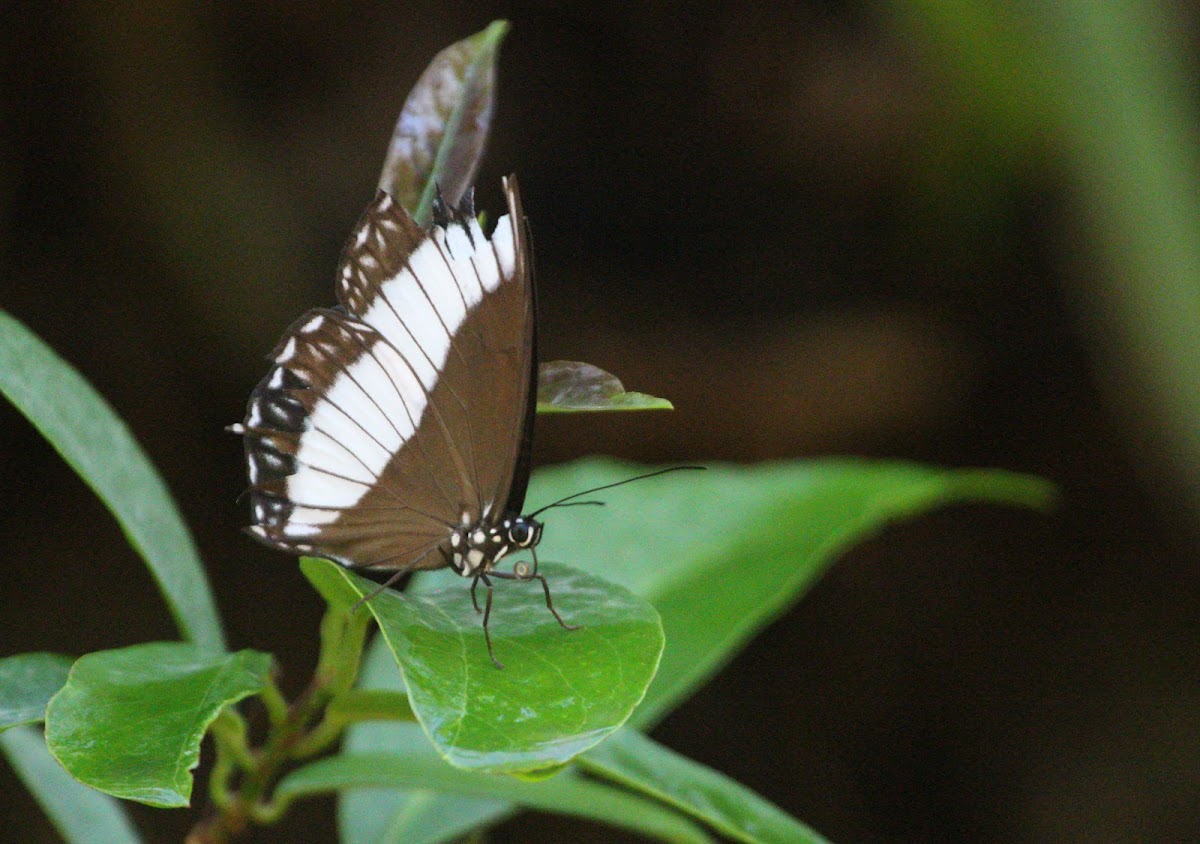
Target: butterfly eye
519 534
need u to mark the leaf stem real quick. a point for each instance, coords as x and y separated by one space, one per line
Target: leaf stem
297 730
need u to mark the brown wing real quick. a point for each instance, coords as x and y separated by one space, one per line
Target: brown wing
381 429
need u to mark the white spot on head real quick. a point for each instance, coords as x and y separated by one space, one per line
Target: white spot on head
455 539
474 558
478 537
466 518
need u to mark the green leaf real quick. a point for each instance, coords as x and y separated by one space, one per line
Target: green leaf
80 814
403 816
568 386
733 547
561 691
639 763
81 426
27 682
564 794
440 136
371 705
761 534
129 721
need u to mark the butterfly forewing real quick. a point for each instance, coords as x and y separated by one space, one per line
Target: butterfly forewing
389 420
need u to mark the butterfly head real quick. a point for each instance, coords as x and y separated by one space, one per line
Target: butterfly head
480 547
523 531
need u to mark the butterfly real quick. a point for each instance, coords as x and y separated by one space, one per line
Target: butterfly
393 431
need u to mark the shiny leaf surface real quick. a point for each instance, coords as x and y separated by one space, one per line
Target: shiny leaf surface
129 721
560 692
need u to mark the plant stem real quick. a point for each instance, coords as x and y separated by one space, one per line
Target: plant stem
296 730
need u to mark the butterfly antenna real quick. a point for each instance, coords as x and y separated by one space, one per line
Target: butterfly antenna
562 501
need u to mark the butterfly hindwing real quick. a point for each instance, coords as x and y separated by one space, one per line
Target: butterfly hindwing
388 420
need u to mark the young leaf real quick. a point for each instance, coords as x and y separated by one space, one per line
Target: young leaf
561 691
735 546
565 794
439 138
129 721
568 386
27 682
639 763
95 442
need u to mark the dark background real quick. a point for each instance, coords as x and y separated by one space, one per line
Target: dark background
792 219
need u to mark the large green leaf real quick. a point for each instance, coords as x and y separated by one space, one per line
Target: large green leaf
129 721
80 814
723 552
744 541
639 763
81 426
27 682
442 130
565 793
561 691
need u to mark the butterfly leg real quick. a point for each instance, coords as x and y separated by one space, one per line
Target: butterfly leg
545 588
487 612
475 600
550 604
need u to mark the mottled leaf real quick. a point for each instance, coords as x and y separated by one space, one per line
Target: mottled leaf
439 139
567 386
